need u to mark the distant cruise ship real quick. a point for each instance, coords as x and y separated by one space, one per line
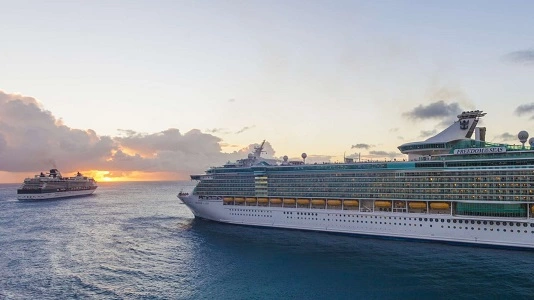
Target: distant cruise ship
52 185
451 188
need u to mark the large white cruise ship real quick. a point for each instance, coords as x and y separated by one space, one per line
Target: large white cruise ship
452 188
52 185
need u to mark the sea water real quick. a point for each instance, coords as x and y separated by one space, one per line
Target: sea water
136 240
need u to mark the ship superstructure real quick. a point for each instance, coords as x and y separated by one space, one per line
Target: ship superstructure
452 187
53 185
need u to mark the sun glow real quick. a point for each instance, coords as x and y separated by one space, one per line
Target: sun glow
114 176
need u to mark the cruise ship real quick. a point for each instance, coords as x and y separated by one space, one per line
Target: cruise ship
52 185
453 187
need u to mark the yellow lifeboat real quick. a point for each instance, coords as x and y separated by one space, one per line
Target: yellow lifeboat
318 202
532 209
239 199
289 201
276 201
439 205
263 200
303 201
250 200
350 203
417 205
334 202
228 199
379 203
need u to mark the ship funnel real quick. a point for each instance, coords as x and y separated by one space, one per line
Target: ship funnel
480 134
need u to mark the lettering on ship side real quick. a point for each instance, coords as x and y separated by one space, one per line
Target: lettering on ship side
480 150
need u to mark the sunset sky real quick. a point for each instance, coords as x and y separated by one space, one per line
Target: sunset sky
158 90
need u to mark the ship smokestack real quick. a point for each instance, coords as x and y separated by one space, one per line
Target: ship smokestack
480 134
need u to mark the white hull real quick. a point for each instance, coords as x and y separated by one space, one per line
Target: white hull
55 195
437 227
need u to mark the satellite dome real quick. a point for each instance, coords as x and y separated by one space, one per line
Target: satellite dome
250 156
523 136
304 155
286 158
531 142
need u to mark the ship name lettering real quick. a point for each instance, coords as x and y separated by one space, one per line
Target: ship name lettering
480 150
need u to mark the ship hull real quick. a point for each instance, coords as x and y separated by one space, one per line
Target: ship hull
55 195
517 233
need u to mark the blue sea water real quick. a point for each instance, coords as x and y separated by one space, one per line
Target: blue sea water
137 241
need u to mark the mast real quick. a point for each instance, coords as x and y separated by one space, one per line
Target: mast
258 150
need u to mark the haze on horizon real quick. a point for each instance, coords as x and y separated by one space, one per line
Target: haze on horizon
143 90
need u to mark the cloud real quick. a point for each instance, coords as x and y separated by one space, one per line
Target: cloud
32 137
506 137
33 140
525 109
426 133
218 130
525 57
314 158
436 110
245 129
384 154
361 146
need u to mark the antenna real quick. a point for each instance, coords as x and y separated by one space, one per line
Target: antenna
259 150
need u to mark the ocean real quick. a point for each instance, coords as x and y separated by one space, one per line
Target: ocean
136 240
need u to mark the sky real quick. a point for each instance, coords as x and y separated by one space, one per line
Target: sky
158 90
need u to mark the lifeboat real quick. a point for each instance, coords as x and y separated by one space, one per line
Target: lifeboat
250 200
276 201
379 203
263 200
289 201
239 199
417 205
439 205
334 202
350 203
532 209
303 201
228 199
318 202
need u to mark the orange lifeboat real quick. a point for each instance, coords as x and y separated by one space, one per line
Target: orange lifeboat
380 203
318 202
228 199
417 205
350 203
250 200
303 201
334 202
276 201
439 205
289 201
263 200
239 199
